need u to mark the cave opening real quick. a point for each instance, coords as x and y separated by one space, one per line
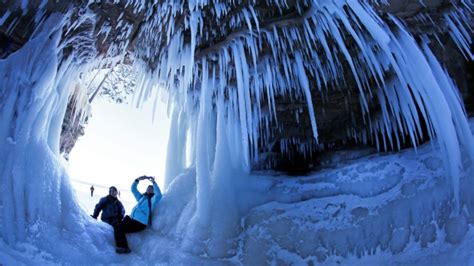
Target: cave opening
120 143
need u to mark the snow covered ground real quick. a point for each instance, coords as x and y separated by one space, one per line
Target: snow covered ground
379 209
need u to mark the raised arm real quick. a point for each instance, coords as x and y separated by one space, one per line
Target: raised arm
135 190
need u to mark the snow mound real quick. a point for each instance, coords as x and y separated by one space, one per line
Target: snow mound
382 203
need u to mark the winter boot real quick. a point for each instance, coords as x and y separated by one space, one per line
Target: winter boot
122 250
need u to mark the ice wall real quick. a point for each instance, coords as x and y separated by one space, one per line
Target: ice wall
217 95
36 192
293 58
38 203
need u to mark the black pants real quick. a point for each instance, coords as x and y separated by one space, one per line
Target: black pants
128 225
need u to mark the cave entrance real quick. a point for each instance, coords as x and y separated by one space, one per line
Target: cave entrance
121 142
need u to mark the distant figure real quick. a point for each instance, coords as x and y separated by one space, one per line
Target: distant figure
141 214
111 208
92 190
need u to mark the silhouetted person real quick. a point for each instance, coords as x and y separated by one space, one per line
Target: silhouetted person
92 190
111 208
141 214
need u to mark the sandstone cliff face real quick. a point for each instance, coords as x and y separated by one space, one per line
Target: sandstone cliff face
73 127
332 112
335 108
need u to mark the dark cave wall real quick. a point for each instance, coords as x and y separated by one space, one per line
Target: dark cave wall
335 107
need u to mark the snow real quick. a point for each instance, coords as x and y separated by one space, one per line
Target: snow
363 211
364 208
377 207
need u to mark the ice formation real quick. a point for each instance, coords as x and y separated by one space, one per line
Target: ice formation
217 96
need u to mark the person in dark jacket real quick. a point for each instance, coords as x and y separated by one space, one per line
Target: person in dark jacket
141 214
111 208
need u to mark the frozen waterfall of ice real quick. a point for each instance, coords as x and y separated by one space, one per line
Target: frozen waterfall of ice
209 208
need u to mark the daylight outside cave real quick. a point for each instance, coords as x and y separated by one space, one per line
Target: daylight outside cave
120 144
334 132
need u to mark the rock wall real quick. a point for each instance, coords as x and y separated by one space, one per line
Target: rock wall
335 109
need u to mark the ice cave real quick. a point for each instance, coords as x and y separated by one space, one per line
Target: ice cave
303 132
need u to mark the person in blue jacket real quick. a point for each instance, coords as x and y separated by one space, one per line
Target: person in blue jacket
141 214
111 208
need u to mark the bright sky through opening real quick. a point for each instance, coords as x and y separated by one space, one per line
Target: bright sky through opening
121 143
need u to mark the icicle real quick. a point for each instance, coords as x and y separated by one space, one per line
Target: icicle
202 152
244 102
439 112
460 35
304 83
172 158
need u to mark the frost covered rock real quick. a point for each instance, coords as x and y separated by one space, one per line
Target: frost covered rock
72 128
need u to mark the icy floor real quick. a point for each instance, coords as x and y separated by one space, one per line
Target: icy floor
353 207
289 217
387 204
